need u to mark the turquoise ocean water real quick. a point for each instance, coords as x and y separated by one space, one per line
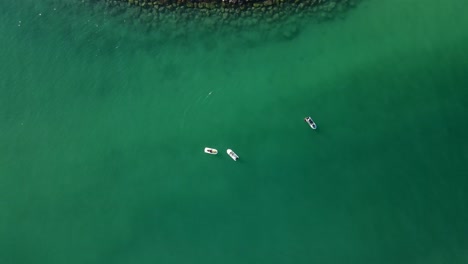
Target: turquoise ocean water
102 131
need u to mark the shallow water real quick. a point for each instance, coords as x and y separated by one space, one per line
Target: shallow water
102 131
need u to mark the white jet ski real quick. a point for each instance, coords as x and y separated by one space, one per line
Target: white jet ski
211 151
232 154
310 122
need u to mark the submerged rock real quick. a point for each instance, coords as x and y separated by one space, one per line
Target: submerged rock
278 19
290 31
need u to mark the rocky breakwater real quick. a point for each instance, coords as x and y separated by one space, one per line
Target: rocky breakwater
279 18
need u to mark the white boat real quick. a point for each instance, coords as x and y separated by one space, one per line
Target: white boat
232 154
310 122
211 151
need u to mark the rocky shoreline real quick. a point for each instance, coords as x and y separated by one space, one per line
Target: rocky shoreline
213 14
241 5
245 23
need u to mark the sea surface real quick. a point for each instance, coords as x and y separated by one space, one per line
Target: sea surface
102 131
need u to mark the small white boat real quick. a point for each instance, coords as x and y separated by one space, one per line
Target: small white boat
310 122
211 151
232 154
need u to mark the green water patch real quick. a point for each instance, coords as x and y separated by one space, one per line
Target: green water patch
102 149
